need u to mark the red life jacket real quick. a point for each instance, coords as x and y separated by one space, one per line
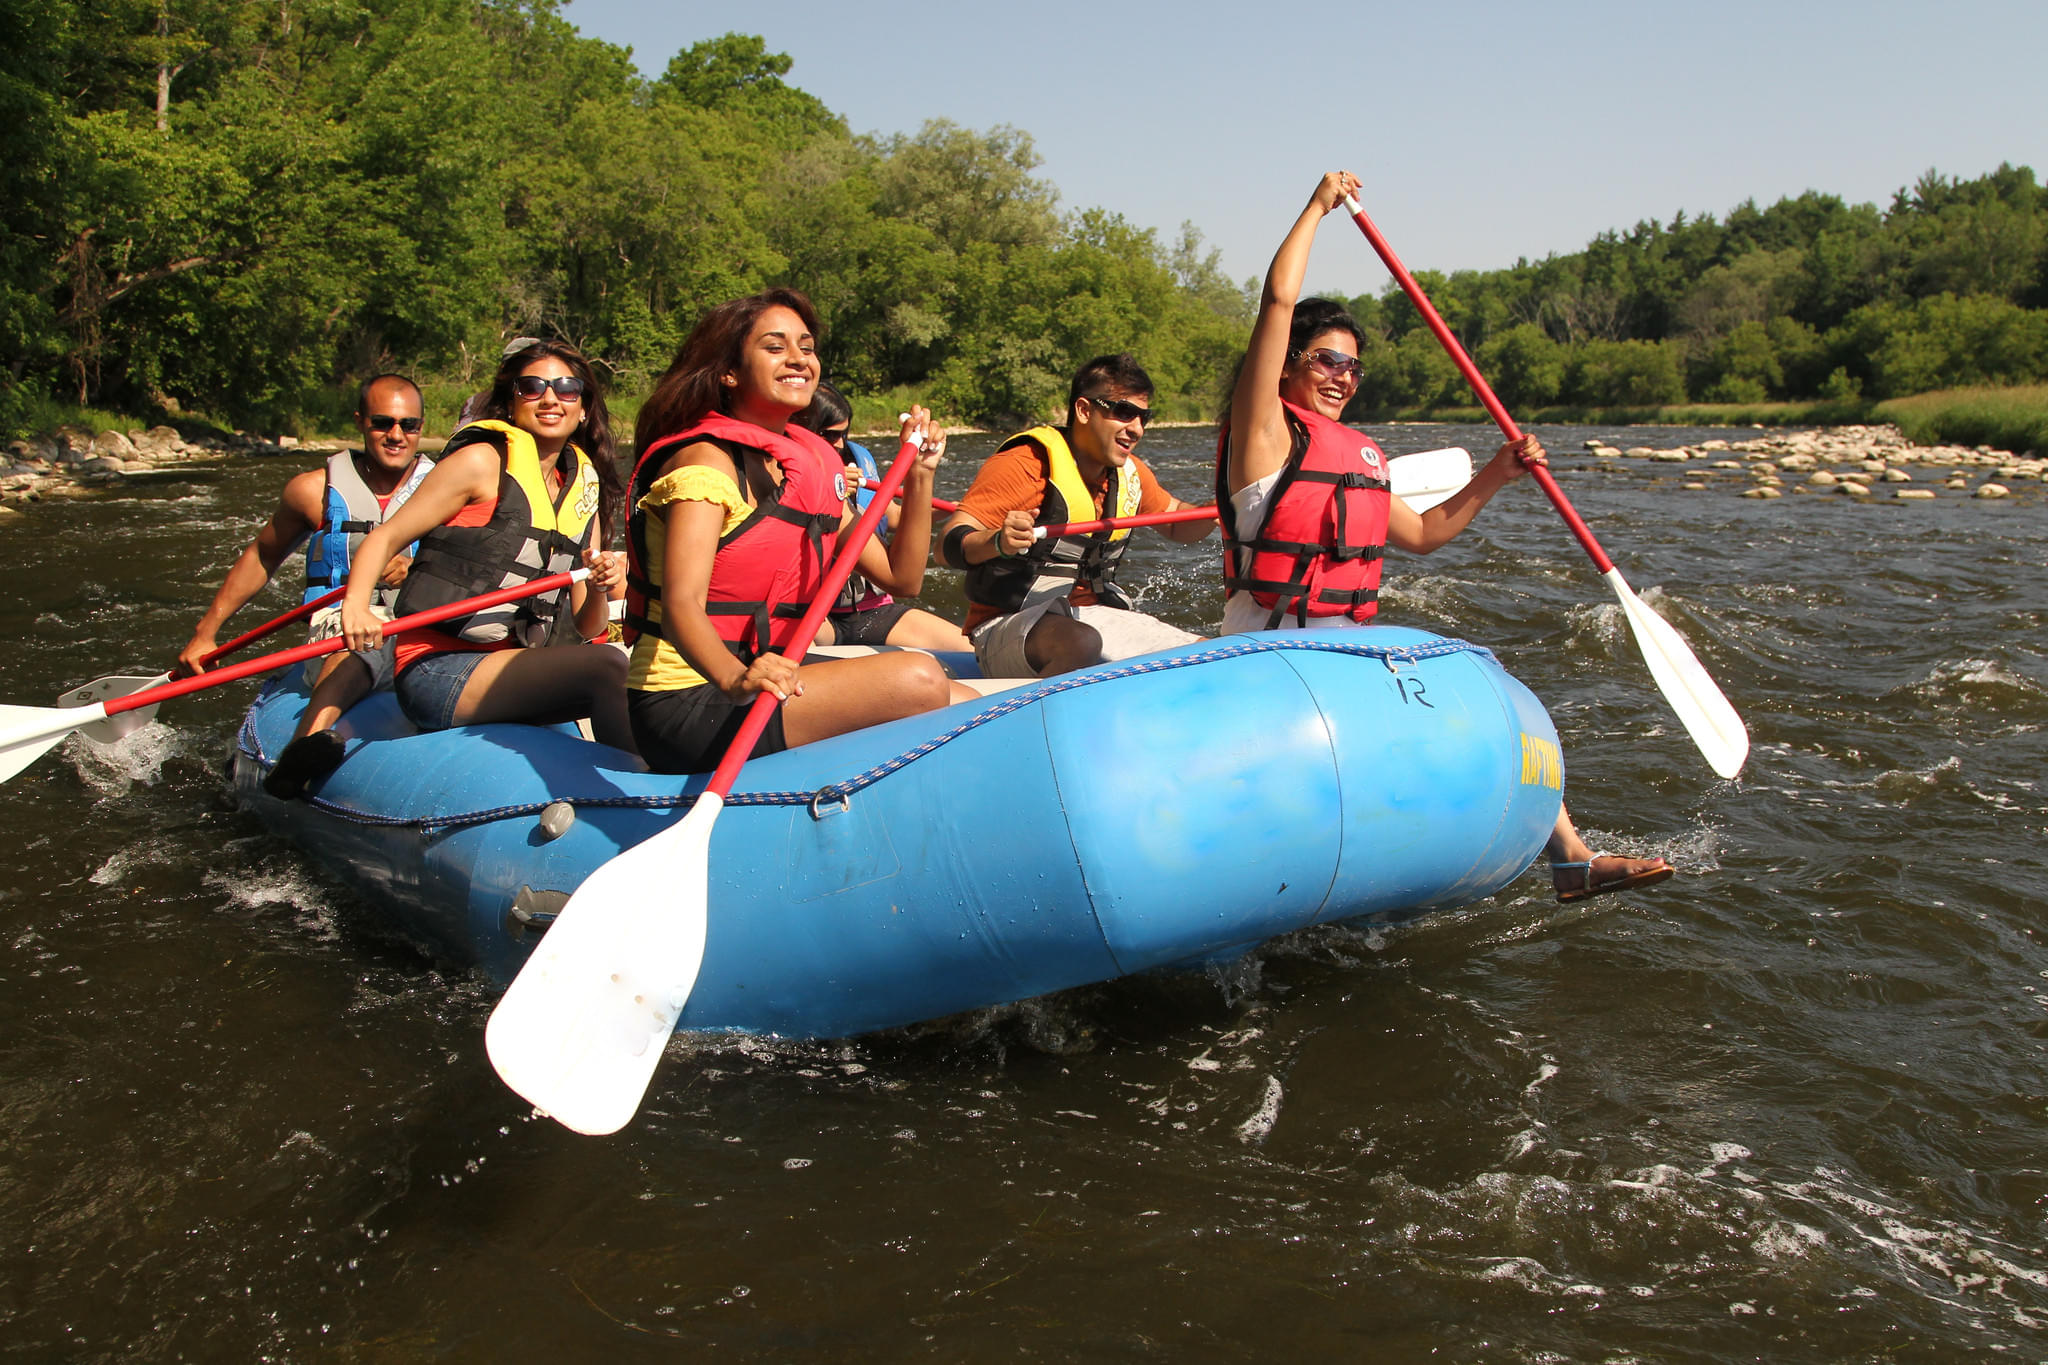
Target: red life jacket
1318 551
768 567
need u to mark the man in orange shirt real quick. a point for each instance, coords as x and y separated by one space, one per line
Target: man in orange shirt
1040 607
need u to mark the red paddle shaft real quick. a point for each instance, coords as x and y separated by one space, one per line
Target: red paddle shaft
1089 528
264 663
938 503
298 613
742 747
1478 382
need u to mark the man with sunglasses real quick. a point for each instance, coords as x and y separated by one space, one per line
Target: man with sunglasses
1037 607
329 510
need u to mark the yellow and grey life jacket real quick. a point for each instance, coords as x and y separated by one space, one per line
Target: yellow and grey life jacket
529 536
1049 570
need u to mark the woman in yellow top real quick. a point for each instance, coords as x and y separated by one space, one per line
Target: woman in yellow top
736 512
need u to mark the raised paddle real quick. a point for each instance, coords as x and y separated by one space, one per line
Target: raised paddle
28 732
583 1026
113 728
1706 714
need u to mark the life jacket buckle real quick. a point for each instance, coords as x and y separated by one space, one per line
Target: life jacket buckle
830 801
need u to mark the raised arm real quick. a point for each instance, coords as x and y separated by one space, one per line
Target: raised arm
1420 532
1258 425
898 567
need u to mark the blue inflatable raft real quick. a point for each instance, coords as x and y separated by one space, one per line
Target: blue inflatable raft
1176 808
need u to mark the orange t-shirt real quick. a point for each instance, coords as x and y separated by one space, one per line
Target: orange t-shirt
1014 479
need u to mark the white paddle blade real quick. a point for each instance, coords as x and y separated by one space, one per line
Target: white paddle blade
582 1028
29 732
1706 714
114 728
1427 477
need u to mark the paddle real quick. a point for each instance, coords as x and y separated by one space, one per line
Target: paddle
28 732
583 1026
110 730
1089 528
938 504
1705 712
1422 480
1426 477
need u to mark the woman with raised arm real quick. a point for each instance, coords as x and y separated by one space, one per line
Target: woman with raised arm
736 514
1305 504
521 493
866 612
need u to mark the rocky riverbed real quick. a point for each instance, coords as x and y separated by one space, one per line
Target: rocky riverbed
1863 462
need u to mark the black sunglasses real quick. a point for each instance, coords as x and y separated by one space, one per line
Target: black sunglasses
568 388
1122 409
384 422
836 436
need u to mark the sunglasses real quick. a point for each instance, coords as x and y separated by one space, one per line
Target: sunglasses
382 422
1122 409
1335 364
568 388
836 436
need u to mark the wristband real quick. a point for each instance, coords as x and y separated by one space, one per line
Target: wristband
1001 550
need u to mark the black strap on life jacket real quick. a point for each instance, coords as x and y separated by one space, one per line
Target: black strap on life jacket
1292 591
814 526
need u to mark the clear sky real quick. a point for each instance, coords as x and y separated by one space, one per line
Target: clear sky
1483 131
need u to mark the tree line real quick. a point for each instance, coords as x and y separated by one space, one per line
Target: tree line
241 207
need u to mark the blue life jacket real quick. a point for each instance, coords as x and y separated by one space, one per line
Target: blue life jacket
351 512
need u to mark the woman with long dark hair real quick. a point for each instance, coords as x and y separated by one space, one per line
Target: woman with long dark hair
1306 507
520 493
735 514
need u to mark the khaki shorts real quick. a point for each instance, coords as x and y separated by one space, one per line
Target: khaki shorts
325 625
999 644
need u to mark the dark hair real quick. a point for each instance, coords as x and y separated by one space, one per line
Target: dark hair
1120 371
828 408
594 435
690 389
1313 317
363 393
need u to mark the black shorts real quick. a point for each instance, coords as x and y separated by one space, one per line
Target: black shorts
688 730
869 627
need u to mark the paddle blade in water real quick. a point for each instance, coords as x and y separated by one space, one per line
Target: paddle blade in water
581 1029
113 728
1705 712
29 732
1426 478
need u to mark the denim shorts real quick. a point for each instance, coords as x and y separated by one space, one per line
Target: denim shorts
430 686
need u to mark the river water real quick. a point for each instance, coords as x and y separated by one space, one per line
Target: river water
1789 1106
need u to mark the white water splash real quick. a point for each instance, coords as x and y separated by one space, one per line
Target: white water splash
1255 1129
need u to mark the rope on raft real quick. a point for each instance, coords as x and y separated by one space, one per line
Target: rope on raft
838 793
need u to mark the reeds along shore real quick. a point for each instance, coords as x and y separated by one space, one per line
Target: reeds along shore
1858 461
